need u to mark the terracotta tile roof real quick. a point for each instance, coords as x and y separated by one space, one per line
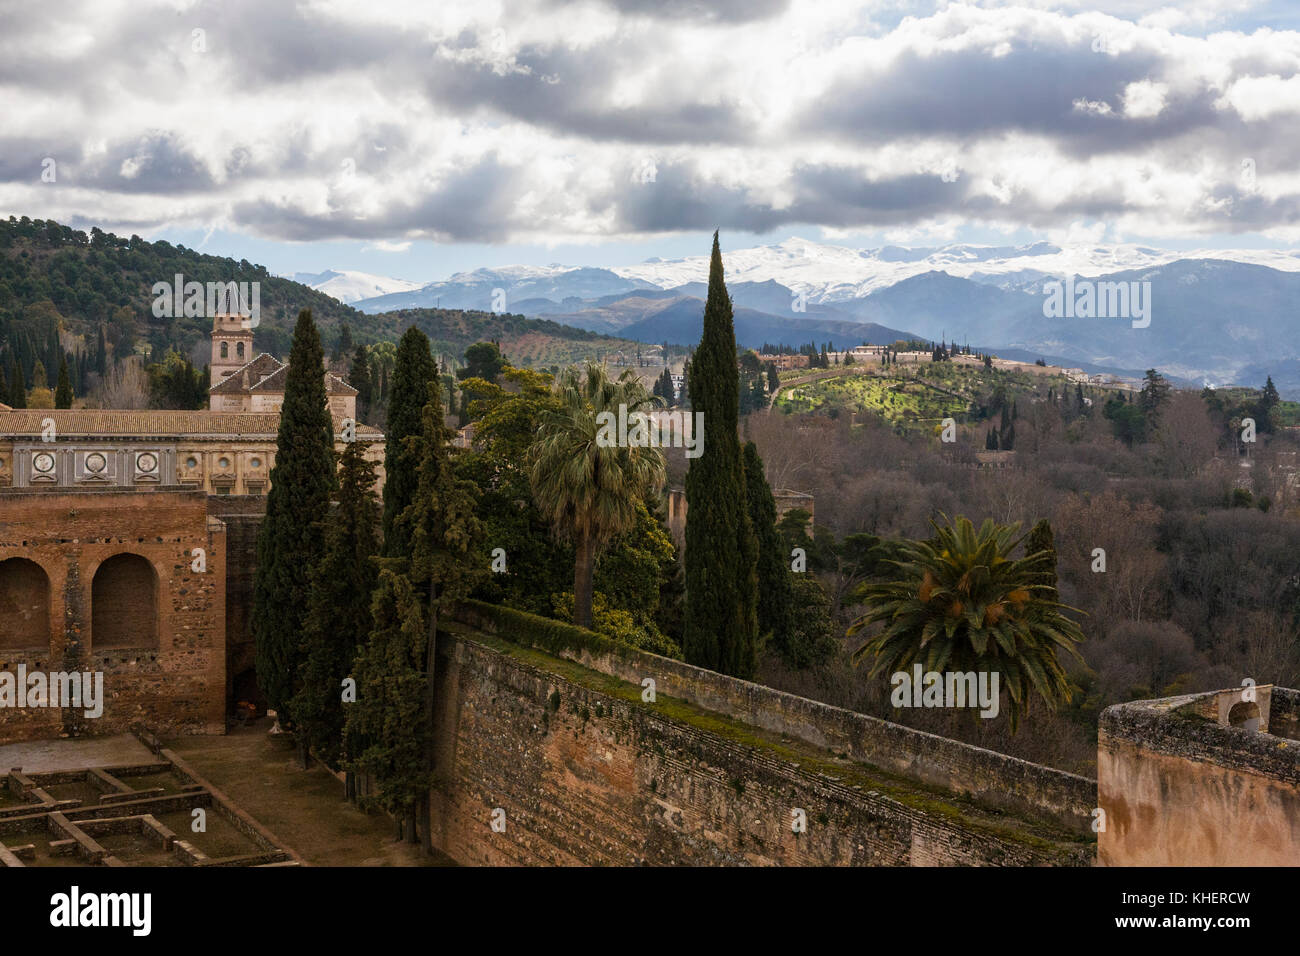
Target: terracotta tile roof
120 423
268 374
247 376
275 382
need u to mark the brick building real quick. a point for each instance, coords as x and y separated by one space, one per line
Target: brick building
228 449
137 578
130 536
245 382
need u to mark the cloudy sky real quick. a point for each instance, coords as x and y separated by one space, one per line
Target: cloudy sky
419 139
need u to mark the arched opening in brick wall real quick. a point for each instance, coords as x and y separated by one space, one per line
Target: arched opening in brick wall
24 605
124 604
1244 714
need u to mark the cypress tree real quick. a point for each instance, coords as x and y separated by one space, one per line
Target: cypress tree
18 388
1042 540
338 618
359 377
775 595
386 727
63 394
101 353
413 370
292 536
443 530
721 554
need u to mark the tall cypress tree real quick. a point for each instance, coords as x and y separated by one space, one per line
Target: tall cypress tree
1042 540
338 619
386 728
359 378
292 537
63 394
413 370
721 554
101 352
18 387
775 594
443 530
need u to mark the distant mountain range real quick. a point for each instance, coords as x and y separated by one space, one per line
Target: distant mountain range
349 287
1222 317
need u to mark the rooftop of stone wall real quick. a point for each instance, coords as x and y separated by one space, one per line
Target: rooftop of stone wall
1191 726
1031 791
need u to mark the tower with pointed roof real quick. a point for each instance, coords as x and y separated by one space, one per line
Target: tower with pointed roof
232 345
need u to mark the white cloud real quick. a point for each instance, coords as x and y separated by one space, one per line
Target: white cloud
1144 99
1262 97
523 121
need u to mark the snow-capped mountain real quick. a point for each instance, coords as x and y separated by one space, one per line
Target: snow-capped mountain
829 273
518 284
348 286
822 272
1219 315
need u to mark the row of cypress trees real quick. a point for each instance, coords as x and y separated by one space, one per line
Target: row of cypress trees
345 635
347 594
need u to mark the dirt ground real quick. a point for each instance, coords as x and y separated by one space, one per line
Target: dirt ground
304 808
40 756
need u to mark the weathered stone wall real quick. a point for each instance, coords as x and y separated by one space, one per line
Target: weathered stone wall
1180 789
1017 786
586 775
175 679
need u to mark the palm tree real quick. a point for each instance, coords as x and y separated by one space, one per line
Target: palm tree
586 488
962 603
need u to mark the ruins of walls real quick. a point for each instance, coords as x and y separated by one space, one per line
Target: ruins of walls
151 814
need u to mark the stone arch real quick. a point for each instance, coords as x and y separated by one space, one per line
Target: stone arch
24 605
124 603
1244 714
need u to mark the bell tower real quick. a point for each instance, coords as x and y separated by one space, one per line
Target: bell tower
232 345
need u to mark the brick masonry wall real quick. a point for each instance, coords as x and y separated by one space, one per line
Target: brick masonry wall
990 777
178 685
588 778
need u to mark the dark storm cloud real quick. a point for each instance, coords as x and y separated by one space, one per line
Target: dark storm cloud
155 163
567 91
680 198
22 157
969 93
475 204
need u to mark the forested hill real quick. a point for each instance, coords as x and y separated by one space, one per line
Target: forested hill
538 343
57 279
103 278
